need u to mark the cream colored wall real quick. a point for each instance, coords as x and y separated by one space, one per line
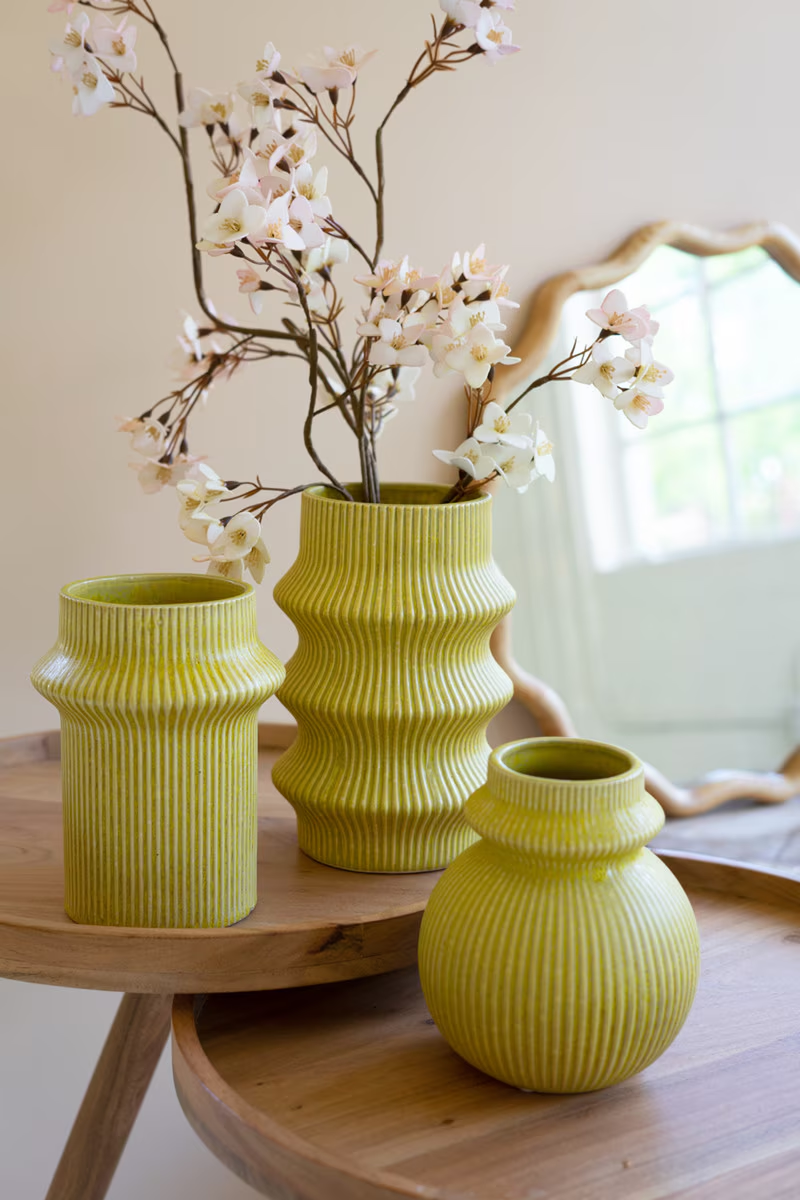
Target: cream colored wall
684 110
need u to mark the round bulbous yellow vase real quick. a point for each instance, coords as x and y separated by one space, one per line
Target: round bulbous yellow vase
393 682
558 954
158 680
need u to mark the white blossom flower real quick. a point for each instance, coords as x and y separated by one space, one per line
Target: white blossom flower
384 274
401 387
247 179
507 429
250 285
313 188
398 345
236 219
471 457
473 265
331 252
256 560
604 370
338 69
462 12
150 438
277 227
313 291
227 568
202 488
91 87
114 44
614 315
198 526
260 99
380 309
71 47
206 108
440 346
409 279
493 36
493 287
269 62
638 406
301 218
463 315
543 461
237 538
155 475
292 151
477 355
514 464
651 377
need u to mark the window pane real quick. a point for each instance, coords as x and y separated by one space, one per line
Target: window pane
755 317
725 266
676 491
668 273
765 448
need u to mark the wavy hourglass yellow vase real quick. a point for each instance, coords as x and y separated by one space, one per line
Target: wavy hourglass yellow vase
558 954
158 680
393 682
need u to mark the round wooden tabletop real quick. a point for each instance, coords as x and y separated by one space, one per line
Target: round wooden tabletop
348 1092
312 924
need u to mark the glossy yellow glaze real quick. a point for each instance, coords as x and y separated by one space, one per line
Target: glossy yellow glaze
393 682
158 680
558 954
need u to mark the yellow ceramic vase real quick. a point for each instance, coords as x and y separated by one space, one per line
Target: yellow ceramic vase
558 954
393 682
158 680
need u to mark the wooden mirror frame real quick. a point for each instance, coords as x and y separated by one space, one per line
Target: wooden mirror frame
537 335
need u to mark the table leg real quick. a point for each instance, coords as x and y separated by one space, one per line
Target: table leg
113 1098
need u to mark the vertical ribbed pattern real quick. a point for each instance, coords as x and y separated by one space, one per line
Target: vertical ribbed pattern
557 954
159 706
393 682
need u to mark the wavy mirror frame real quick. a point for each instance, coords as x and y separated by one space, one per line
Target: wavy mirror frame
537 335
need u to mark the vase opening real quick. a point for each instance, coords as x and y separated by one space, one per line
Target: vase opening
156 590
397 495
567 759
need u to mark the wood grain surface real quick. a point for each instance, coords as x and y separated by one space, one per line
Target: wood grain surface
313 924
348 1092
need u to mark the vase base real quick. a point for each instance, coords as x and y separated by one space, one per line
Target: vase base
374 854
99 918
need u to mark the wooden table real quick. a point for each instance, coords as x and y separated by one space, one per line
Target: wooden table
348 1091
312 925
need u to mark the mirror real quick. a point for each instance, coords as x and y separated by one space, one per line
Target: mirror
658 582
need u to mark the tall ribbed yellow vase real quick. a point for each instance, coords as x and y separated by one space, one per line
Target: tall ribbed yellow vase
558 954
158 680
393 682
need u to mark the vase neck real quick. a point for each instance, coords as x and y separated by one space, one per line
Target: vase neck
602 812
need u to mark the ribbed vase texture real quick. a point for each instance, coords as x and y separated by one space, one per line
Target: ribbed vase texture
158 680
393 682
558 954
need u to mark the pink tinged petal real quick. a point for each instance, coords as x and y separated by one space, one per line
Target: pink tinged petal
598 316
324 79
614 302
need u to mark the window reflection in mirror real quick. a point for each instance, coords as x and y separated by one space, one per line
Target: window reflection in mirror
721 464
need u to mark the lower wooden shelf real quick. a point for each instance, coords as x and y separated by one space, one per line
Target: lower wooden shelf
348 1091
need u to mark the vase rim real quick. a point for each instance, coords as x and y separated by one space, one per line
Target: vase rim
537 760
323 493
211 590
